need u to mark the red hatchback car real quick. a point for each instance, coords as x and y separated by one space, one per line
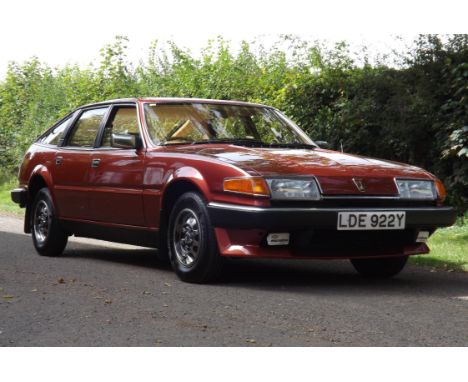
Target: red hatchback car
203 180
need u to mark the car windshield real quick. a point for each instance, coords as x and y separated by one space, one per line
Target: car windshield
194 123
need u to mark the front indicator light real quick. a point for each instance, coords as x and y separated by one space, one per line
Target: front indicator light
254 186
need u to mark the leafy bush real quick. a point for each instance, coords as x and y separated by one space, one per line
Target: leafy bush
415 112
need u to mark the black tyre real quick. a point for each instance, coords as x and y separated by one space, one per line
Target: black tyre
48 236
191 241
380 268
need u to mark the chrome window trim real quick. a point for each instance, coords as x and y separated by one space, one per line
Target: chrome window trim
74 148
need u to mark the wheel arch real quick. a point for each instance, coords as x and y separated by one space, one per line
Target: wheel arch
183 179
209 264
172 192
40 178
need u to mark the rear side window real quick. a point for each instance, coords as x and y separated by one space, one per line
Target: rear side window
56 134
86 128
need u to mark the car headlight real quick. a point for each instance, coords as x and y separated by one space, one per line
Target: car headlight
293 189
416 189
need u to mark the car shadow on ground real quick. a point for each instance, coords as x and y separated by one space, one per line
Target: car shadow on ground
293 275
138 256
339 275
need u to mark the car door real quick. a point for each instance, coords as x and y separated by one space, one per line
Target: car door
72 163
116 175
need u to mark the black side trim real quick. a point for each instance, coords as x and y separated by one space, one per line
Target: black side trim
132 236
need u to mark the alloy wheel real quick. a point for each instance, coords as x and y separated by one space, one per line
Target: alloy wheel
186 237
42 221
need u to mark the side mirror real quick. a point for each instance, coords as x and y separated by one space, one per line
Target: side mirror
126 141
323 144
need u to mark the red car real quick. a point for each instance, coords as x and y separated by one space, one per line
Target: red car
203 180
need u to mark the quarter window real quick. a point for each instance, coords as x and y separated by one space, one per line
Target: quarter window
56 134
86 128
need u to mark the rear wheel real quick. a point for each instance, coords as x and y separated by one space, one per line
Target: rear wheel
191 241
48 236
380 268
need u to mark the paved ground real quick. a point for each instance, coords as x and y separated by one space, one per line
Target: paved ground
121 296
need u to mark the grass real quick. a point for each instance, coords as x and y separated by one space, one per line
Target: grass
6 204
449 246
449 249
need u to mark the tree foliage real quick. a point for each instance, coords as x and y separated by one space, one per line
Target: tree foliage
416 112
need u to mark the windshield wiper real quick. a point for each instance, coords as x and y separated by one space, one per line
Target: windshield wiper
242 142
182 141
293 145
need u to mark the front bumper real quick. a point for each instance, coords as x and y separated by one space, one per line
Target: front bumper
241 231
245 217
20 196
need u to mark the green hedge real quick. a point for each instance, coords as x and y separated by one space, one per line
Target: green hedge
415 111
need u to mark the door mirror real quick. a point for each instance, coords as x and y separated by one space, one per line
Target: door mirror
126 141
323 144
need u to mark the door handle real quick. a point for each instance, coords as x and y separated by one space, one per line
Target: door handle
58 160
95 163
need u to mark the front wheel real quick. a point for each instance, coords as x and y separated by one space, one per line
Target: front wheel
191 241
48 236
381 267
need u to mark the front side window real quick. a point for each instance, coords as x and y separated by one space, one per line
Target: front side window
203 122
123 121
86 128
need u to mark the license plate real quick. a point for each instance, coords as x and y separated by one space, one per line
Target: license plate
371 220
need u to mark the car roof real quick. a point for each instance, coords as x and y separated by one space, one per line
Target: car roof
174 100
